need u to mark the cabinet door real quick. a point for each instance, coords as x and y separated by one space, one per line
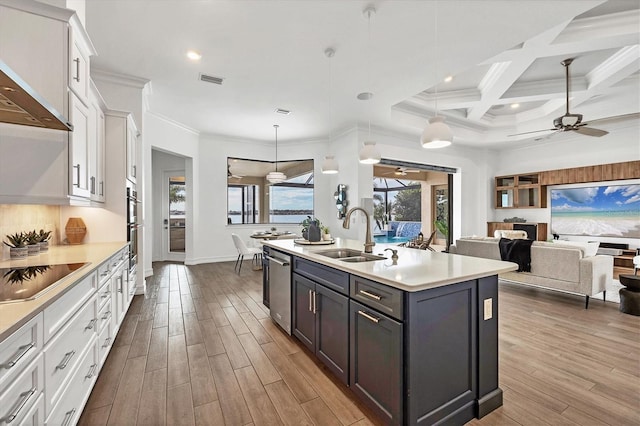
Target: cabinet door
304 321
265 276
79 141
78 68
376 361
132 138
100 172
332 331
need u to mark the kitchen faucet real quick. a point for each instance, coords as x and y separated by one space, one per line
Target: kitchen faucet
368 243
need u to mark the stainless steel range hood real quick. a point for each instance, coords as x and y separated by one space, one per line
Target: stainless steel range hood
20 104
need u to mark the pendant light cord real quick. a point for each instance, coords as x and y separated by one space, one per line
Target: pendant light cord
369 67
275 126
436 54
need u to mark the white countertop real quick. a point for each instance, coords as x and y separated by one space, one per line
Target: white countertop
415 269
14 314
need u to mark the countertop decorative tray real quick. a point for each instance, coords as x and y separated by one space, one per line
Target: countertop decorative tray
313 243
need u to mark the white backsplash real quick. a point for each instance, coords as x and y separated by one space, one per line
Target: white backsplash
23 218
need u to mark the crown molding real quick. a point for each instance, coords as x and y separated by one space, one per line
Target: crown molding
122 79
173 122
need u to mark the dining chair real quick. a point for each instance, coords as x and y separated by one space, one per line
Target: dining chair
244 250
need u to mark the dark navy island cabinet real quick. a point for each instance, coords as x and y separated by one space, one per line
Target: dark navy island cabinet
321 315
415 358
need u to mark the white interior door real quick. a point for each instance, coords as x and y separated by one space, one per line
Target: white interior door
174 215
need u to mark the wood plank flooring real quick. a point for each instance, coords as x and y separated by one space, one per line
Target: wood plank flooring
200 349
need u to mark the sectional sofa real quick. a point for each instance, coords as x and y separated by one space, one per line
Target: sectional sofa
565 266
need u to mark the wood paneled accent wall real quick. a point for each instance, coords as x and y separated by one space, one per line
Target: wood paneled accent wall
598 173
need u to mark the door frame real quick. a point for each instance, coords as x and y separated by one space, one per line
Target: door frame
166 254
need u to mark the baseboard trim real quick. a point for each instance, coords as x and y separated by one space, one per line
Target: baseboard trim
489 402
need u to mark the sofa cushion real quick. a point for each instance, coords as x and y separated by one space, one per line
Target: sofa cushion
511 234
588 248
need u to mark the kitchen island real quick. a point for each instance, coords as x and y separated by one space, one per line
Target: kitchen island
415 338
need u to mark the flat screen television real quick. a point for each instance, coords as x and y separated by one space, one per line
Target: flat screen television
599 211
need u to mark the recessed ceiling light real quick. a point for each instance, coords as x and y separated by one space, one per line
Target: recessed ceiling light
8 89
514 106
365 96
448 79
193 55
283 111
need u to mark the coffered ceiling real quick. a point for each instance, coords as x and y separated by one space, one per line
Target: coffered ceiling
270 54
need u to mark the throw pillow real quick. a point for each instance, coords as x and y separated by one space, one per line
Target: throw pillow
518 251
588 248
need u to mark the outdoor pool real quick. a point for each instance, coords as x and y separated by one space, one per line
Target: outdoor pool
384 239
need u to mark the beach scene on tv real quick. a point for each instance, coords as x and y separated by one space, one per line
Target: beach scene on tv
602 211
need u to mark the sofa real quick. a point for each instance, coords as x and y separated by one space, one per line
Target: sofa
565 266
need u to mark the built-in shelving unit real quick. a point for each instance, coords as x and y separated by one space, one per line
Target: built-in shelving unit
519 191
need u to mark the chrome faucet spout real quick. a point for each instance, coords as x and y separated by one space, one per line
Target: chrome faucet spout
368 243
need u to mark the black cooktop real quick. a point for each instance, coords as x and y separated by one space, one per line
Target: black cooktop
29 282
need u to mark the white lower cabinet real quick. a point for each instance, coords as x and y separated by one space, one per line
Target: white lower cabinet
62 354
68 409
50 364
17 399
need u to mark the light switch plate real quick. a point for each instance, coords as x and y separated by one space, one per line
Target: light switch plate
488 309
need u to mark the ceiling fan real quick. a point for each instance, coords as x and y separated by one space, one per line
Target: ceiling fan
571 122
231 175
401 171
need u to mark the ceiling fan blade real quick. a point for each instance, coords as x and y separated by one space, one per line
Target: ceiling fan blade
633 115
590 131
541 138
534 131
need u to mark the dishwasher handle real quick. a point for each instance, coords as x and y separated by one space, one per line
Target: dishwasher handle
278 261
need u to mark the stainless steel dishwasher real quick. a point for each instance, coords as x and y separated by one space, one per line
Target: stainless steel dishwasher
280 289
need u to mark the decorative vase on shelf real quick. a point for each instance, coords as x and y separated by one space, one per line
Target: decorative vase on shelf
75 230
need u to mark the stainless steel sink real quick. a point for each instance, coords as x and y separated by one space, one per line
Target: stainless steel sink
362 258
339 253
350 255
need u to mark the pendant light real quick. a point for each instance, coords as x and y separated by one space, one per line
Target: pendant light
369 153
330 164
276 177
437 134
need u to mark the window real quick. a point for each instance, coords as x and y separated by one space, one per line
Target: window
252 199
396 200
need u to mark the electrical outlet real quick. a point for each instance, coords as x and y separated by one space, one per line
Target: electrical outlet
488 309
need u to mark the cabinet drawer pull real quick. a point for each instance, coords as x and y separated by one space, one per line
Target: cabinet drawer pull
77 77
120 285
369 317
310 302
22 351
104 295
106 342
68 417
91 324
65 360
19 406
134 171
93 184
92 370
314 302
101 188
77 167
106 315
371 295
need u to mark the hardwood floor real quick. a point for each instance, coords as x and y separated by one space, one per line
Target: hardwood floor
200 348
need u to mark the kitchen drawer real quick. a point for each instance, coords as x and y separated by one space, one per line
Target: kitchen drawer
17 399
62 353
105 340
68 409
104 315
104 271
383 298
57 314
35 415
104 294
19 349
329 277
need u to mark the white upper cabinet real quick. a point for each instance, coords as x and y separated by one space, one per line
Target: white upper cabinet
96 167
79 142
132 149
80 51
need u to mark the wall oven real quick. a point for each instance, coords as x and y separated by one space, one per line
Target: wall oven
132 228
